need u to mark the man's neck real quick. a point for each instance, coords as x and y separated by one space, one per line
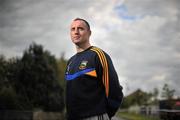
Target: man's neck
80 48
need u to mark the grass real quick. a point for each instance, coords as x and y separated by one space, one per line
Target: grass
133 116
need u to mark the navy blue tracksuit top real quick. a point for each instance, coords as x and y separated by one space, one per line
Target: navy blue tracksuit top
92 85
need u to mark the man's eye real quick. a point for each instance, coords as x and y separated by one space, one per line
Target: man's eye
81 28
72 29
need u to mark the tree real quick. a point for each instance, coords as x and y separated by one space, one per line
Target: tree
3 70
167 93
38 80
61 65
8 95
8 98
155 94
138 97
32 82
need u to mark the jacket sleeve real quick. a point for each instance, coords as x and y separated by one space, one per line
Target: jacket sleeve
110 80
115 94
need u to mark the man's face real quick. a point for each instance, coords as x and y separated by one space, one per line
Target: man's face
79 32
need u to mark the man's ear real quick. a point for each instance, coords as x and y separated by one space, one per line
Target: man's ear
89 32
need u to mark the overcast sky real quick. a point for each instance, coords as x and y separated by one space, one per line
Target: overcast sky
141 36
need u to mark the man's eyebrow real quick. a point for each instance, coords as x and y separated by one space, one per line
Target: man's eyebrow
77 27
80 27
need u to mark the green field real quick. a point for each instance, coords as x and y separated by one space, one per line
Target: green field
133 116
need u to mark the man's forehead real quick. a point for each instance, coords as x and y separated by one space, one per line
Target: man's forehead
78 23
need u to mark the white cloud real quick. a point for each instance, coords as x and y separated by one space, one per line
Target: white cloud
145 50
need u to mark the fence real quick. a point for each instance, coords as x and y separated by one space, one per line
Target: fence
163 114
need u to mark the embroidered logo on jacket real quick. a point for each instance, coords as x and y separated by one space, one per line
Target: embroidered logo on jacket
83 64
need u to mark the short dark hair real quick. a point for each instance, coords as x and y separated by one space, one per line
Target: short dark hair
88 26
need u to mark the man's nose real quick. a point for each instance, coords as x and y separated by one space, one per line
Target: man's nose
76 31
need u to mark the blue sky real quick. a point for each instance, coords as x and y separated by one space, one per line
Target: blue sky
123 13
141 36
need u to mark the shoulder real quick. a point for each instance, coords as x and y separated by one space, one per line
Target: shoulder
99 52
71 58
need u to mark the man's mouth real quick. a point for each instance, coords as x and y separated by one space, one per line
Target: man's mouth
76 37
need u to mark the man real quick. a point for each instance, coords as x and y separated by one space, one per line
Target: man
93 91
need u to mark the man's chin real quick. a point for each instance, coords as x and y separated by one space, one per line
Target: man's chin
76 42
